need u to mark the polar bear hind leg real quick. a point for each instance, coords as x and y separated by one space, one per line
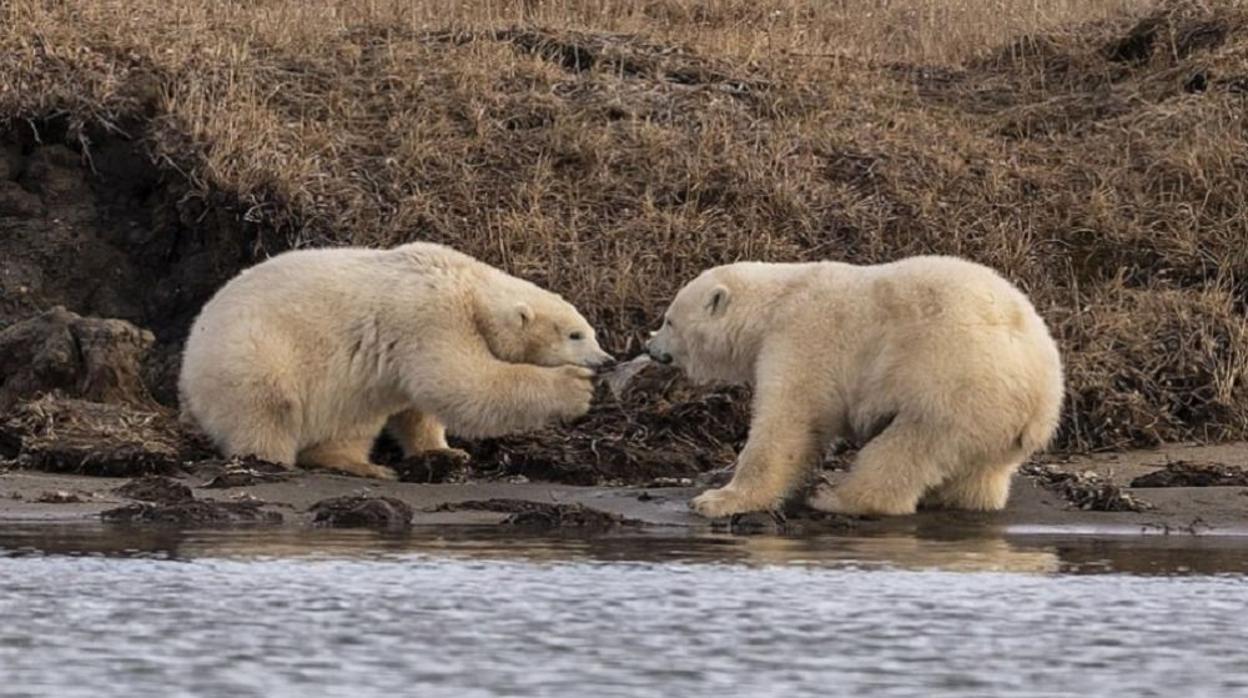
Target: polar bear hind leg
986 488
417 432
348 453
890 474
262 424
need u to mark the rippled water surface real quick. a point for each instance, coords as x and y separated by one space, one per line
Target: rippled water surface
112 611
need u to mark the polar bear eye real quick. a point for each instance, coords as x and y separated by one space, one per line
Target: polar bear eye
576 336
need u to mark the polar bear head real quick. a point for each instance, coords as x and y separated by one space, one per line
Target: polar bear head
706 329
523 323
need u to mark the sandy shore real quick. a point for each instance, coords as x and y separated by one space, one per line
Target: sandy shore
36 497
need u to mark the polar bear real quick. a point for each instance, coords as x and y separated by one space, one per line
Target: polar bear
939 364
305 357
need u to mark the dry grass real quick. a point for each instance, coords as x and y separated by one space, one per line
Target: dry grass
611 150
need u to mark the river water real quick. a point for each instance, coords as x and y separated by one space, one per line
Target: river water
97 610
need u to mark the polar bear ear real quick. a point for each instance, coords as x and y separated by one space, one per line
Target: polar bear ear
524 314
718 300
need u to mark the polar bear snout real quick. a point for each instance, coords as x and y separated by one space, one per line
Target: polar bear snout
660 356
655 349
600 360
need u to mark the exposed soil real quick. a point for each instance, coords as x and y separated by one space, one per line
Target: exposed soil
88 221
362 511
1192 474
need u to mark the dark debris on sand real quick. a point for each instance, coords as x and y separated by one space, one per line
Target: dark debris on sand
69 435
661 427
193 513
1182 473
433 467
242 471
59 497
362 511
167 501
1086 490
541 514
156 489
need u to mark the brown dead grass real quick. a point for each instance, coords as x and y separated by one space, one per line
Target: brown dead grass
612 150
78 436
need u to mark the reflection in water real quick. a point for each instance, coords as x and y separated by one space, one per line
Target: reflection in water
958 552
98 610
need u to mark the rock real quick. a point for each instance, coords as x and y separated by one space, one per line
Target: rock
89 358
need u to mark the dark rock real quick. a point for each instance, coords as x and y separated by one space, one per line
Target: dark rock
99 360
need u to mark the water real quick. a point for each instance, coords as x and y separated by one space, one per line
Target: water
97 611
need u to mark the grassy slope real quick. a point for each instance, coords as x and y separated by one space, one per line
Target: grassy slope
612 150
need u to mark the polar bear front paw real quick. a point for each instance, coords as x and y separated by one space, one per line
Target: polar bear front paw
727 501
574 391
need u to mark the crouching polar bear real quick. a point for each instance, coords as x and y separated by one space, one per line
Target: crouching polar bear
940 365
305 357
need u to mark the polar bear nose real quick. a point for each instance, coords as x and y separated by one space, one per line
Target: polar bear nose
660 356
603 360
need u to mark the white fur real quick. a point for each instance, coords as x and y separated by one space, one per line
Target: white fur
940 364
307 356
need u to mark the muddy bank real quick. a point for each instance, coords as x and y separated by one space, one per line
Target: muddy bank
307 499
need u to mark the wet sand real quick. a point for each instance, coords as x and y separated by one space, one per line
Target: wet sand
29 496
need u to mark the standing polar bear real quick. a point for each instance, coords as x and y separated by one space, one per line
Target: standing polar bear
305 357
939 364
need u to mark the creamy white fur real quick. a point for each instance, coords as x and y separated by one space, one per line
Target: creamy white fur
307 356
940 364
